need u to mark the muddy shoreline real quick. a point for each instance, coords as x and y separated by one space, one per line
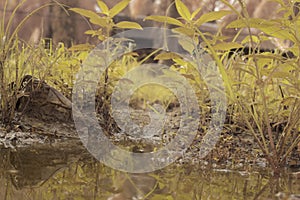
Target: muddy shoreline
44 116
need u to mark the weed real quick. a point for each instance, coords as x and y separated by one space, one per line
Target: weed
56 65
260 86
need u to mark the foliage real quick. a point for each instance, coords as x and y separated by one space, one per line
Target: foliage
272 82
104 19
262 86
56 65
12 59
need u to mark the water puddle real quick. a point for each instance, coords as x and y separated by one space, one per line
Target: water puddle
67 171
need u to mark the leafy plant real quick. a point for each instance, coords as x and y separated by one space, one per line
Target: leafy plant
56 65
263 87
12 59
105 19
271 80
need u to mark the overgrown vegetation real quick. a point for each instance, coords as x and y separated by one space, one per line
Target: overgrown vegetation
262 87
57 65
12 59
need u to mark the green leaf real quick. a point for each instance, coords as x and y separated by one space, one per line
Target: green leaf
180 61
101 37
195 13
272 28
278 32
212 16
94 18
103 7
83 12
225 46
187 44
185 31
295 50
128 25
164 19
266 60
166 56
100 21
250 38
183 10
94 32
118 8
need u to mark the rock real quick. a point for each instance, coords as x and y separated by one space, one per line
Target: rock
42 101
44 108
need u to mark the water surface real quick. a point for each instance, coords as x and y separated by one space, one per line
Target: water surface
67 171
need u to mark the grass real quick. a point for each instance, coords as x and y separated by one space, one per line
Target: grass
18 58
262 89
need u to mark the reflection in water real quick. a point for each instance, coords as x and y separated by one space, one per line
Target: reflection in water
67 171
138 186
